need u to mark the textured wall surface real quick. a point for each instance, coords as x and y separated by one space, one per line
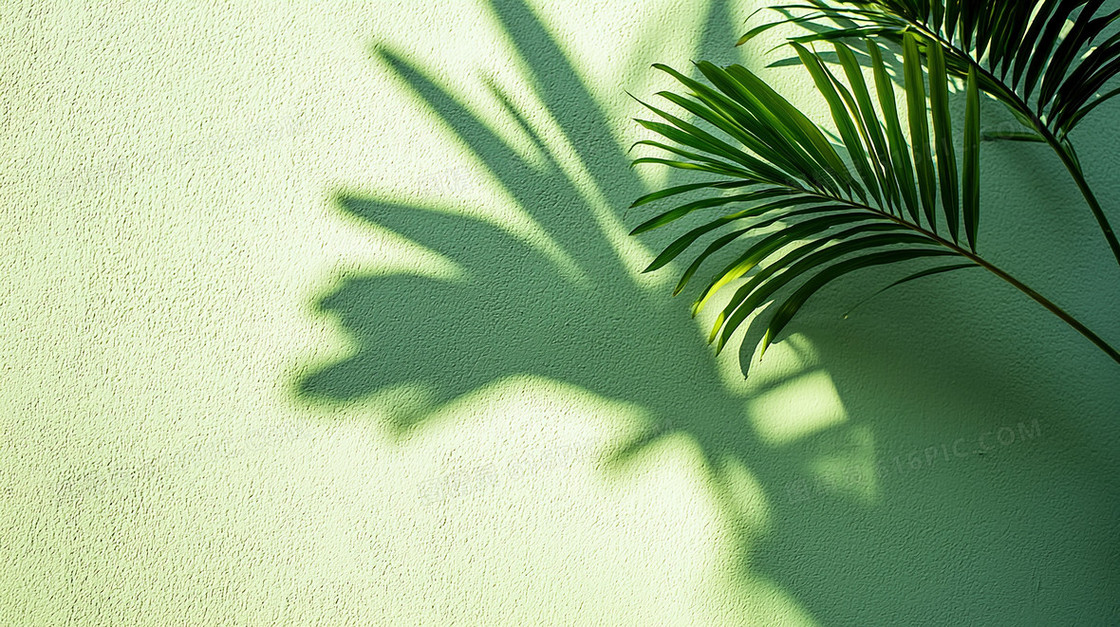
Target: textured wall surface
325 313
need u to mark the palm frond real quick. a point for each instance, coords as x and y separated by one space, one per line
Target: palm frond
871 200
1049 61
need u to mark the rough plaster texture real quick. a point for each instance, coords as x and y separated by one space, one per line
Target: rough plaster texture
299 332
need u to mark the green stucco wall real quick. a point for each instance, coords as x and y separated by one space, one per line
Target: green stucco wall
325 313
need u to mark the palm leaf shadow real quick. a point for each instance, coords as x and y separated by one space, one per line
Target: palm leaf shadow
517 311
514 311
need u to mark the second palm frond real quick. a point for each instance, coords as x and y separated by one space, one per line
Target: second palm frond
1050 62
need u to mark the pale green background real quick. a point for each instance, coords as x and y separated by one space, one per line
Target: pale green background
283 343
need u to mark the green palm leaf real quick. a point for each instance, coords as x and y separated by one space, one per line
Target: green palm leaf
1044 58
1048 61
798 212
830 218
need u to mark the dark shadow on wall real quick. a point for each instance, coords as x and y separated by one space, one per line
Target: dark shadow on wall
948 539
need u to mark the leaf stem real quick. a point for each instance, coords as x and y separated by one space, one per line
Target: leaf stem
990 267
1045 302
1070 161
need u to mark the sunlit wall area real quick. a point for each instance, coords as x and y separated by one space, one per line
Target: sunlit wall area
326 313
